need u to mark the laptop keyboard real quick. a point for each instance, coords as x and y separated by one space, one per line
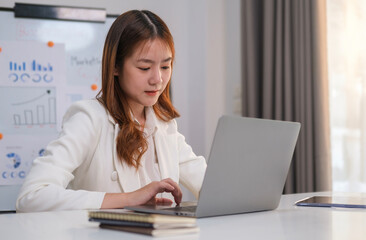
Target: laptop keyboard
183 209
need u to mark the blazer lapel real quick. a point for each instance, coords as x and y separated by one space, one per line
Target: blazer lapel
166 150
128 176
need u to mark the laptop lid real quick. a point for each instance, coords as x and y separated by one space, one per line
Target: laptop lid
246 169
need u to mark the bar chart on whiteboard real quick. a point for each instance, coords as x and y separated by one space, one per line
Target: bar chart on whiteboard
32 86
29 110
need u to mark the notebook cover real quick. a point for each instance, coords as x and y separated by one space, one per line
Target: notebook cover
152 231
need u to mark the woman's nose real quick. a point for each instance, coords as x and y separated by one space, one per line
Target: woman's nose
156 77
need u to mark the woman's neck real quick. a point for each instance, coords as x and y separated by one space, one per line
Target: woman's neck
139 115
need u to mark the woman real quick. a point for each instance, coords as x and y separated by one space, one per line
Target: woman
122 148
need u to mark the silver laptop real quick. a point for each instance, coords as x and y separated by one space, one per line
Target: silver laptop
246 169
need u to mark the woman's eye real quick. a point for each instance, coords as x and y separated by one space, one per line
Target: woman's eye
144 69
165 67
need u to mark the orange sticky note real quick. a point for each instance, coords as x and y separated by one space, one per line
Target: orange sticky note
50 43
1 136
94 87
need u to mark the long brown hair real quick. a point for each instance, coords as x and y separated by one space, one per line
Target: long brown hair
126 33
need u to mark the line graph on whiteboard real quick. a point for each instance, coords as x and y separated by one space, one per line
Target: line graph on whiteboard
28 110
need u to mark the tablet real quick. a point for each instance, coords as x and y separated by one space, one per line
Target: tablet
340 202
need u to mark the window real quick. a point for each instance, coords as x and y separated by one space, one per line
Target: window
346 20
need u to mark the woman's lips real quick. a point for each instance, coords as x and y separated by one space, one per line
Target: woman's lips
152 93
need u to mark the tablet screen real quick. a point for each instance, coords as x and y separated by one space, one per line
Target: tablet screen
322 201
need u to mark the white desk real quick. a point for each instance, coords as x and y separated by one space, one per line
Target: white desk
286 222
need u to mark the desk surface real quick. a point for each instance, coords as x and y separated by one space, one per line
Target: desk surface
286 222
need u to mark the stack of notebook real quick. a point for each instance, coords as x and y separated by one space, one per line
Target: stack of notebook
149 224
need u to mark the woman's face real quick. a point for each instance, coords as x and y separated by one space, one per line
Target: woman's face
146 73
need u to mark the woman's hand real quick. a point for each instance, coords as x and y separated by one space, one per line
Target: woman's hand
147 194
144 195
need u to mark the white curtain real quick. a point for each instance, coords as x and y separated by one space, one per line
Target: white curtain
346 21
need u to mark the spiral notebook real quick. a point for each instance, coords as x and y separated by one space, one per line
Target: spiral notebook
123 215
142 223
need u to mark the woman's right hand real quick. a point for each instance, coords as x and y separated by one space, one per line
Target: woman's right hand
147 194
144 195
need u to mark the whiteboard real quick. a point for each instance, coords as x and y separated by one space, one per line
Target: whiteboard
38 82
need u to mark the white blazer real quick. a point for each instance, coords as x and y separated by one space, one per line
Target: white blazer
82 165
